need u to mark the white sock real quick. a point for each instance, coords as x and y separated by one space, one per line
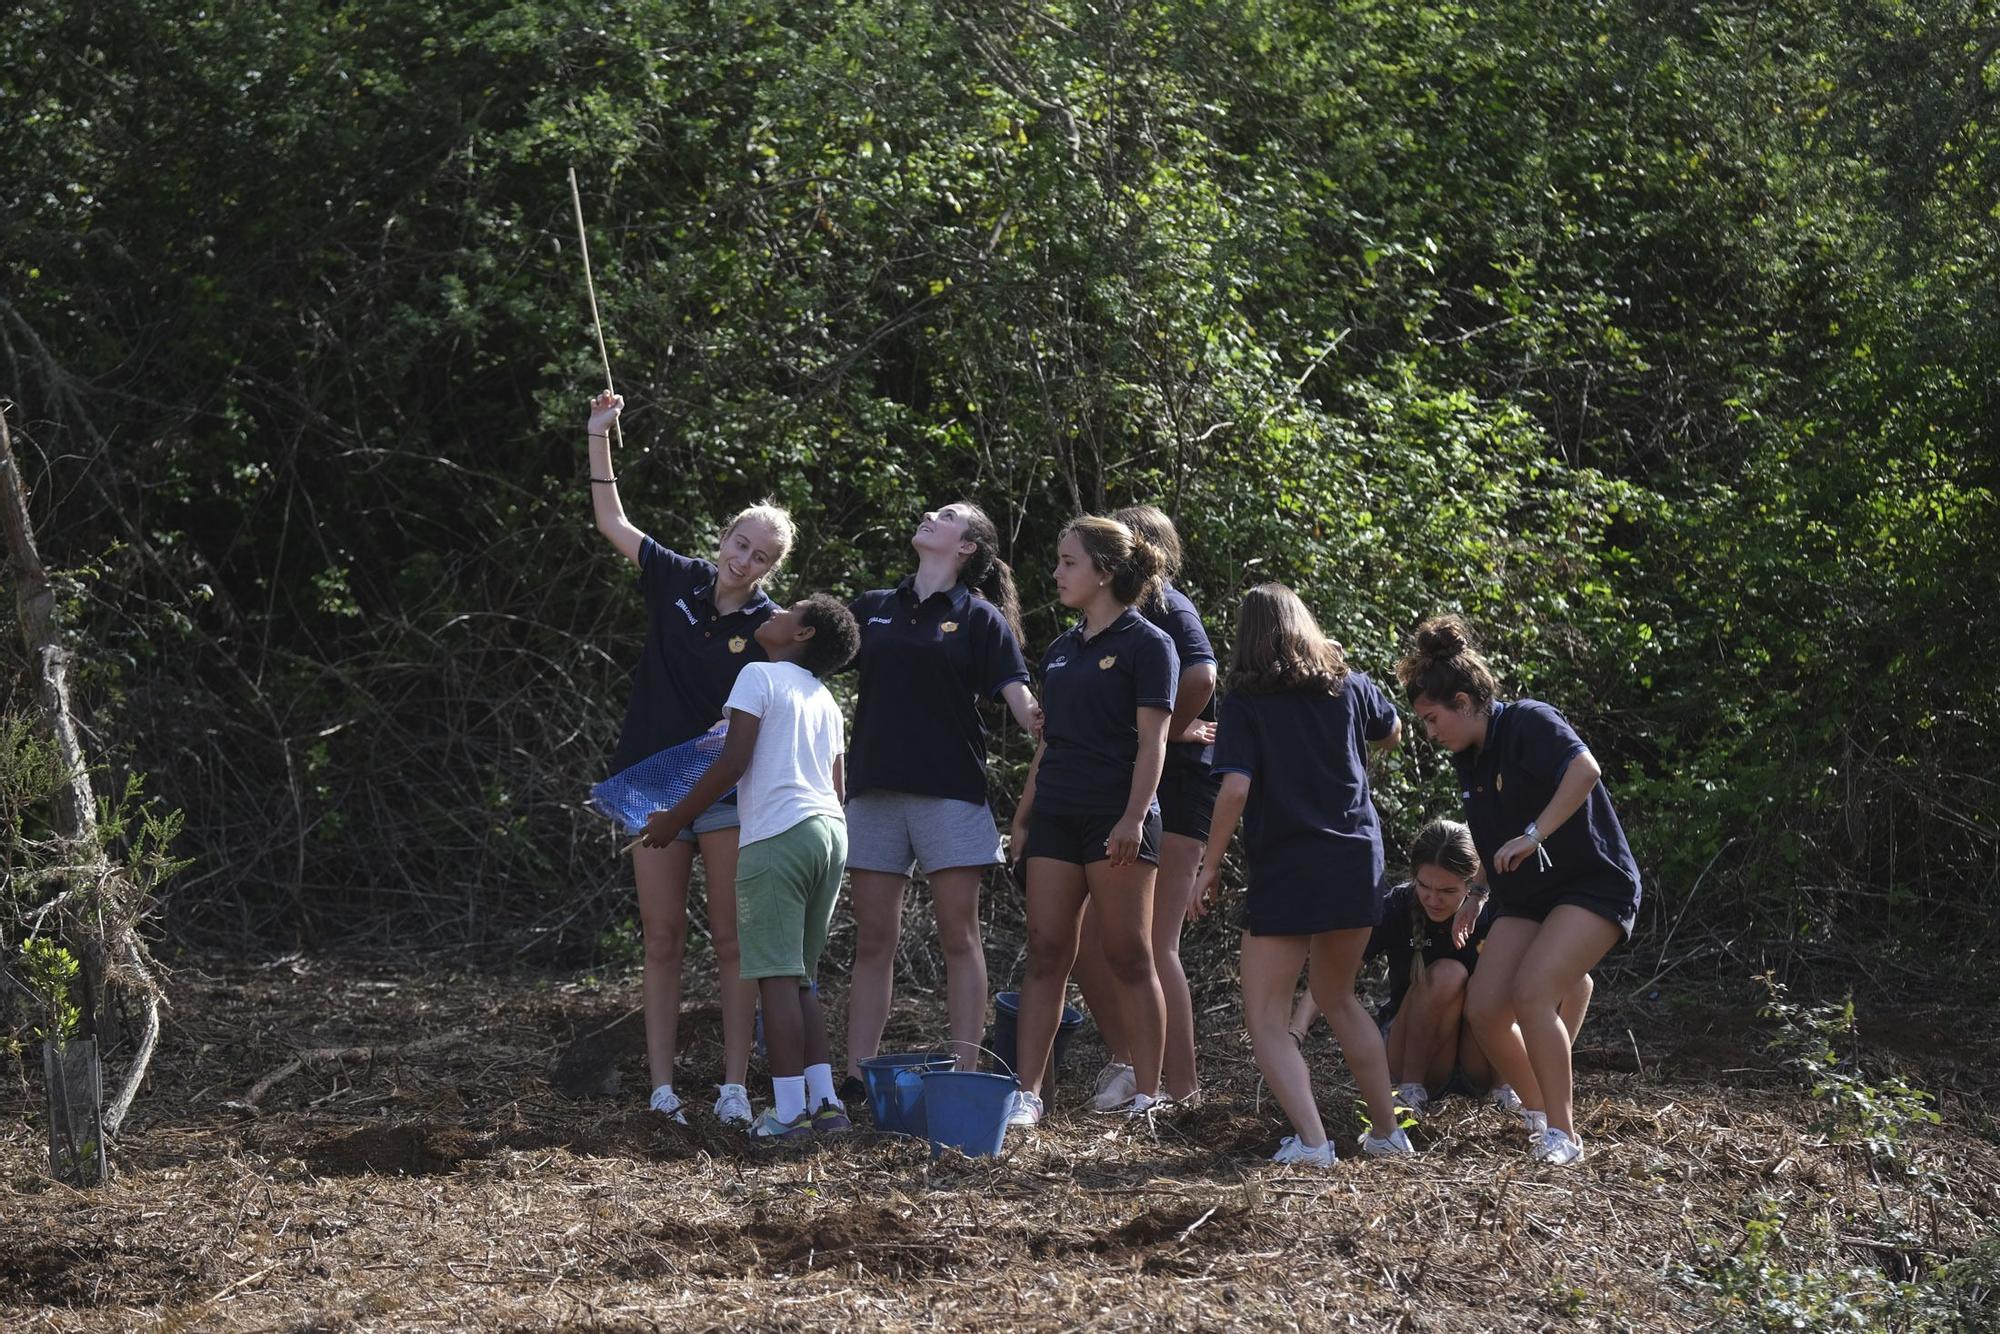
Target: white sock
663 1098
788 1093
819 1086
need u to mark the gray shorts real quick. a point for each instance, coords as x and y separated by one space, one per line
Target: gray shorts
722 815
891 831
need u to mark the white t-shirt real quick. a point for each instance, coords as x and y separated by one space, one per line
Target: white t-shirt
799 736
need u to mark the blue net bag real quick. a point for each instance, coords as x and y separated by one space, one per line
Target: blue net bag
657 782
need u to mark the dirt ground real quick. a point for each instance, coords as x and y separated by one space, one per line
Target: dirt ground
450 1186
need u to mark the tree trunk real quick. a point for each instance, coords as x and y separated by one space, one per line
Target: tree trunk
76 806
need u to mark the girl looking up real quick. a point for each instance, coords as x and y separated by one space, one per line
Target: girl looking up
1087 822
701 623
1292 746
1565 885
1187 798
932 648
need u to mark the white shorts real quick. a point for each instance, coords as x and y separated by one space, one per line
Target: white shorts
894 831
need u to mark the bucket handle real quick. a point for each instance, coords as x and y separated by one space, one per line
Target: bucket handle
951 1042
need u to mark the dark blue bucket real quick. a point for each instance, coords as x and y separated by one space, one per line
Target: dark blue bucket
895 1096
1006 1024
967 1110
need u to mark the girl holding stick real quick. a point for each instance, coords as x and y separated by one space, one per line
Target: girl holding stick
701 628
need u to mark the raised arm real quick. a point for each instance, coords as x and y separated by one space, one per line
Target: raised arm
604 503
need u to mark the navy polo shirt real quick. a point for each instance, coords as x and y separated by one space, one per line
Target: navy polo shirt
1392 938
1177 616
1310 821
1092 691
1508 781
924 668
692 653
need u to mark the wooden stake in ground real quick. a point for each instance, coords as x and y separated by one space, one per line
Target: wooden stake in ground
76 806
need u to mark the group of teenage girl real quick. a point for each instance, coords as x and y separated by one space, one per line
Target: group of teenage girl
1148 758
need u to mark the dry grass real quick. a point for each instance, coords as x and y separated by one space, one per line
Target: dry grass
453 1188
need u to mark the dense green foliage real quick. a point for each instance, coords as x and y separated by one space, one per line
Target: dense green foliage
1660 339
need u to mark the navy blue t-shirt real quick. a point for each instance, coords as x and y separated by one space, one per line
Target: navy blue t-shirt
692 654
924 669
1392 938
1092 691
1508 781
1310 821
1177 616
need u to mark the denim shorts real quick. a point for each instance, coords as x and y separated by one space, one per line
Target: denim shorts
722 815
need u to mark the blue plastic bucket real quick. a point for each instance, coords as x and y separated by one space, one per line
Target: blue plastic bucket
967 1110
895 1098
1006 1024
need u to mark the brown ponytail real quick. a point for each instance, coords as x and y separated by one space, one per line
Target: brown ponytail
1151 522
983 571
1136 566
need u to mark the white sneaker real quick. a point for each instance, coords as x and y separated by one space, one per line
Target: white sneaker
1504 1097
1115 1086
1027 1110
1291 1151
1413 1096
1142 1105
733 1105
1536 1122
668 1103
1393 1145
1556 1147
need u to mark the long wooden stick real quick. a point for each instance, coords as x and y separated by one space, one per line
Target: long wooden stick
590 286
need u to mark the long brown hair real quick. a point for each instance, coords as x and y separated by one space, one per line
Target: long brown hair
1151 522
983 571
1279 646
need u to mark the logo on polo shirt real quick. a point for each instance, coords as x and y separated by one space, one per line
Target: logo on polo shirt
1058 662
1107 662
881 620
948 626
682 604
738 644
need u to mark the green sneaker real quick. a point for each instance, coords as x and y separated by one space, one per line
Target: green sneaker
768 1126
831 1119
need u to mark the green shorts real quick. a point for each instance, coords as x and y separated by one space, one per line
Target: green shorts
785 889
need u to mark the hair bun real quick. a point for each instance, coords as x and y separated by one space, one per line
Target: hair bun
1443 637
1147 557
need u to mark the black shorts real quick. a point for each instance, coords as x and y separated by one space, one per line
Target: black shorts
1078 837
1187 800
1615 901
1306 907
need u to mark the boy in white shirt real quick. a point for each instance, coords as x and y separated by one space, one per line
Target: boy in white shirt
783 755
